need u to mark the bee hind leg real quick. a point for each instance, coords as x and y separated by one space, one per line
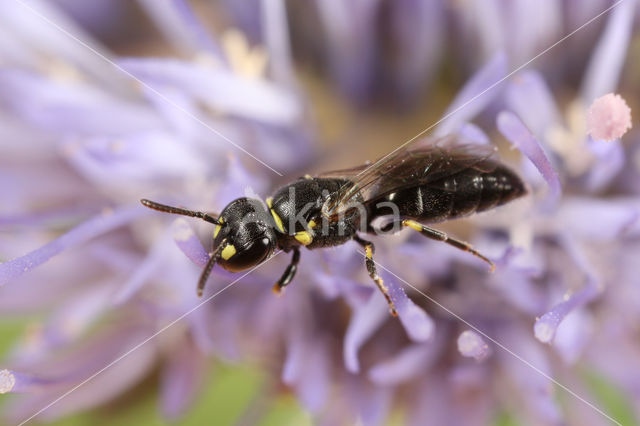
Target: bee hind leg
434 234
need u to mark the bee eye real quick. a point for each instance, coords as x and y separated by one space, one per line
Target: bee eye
249 256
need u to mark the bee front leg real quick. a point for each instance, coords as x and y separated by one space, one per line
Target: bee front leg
373 273
289 273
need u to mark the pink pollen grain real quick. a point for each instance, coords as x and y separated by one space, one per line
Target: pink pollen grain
608 117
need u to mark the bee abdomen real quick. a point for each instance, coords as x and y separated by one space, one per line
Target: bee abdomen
459 195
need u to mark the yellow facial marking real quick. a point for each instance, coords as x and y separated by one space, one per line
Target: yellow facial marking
312 224
278 221
412 224
304 238
308 177
369 252
270 202
216 231
228 251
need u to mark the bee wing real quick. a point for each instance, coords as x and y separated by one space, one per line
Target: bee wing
424 162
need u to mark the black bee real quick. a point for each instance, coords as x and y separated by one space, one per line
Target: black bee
418 184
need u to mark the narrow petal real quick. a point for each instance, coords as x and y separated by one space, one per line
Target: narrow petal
405 365
416 322
220 89
545 327
276 37
189 243
180 26
474 97
615 217
517 133
608 58
529 96
182 378
365 321
92 228
143 272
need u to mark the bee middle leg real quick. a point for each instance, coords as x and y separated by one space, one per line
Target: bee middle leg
434 234
289 273
373 273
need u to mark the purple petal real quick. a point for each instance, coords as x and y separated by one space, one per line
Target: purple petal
141 157
417 30
17 382
182 378
35 35
573 335
404 365
189 243
220 89
546 326
103 223
365 321
531 99
516 132
531 388
474 133
313 386
416 322
350 32
144 271
476 94
77 108
176 20
276 37
610 160
615 218
191 246
606 63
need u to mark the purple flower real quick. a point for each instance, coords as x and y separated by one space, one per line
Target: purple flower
115 283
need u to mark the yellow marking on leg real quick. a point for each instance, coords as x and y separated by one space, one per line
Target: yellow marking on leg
228 252
303 238
312 224
369 251
278 221
270 202
412 224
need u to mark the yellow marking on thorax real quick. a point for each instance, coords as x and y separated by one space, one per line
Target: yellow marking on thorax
412 224
304 238
228 252
278 221
276 218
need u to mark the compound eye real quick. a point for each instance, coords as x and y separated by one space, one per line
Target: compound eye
247 257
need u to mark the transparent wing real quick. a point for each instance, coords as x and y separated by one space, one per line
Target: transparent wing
420 163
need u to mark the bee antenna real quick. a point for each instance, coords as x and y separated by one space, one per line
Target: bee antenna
177 210
209 267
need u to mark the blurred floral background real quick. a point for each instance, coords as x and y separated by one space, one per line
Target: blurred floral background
196 103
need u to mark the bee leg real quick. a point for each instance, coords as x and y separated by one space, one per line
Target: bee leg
289 273
373 273
434 234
